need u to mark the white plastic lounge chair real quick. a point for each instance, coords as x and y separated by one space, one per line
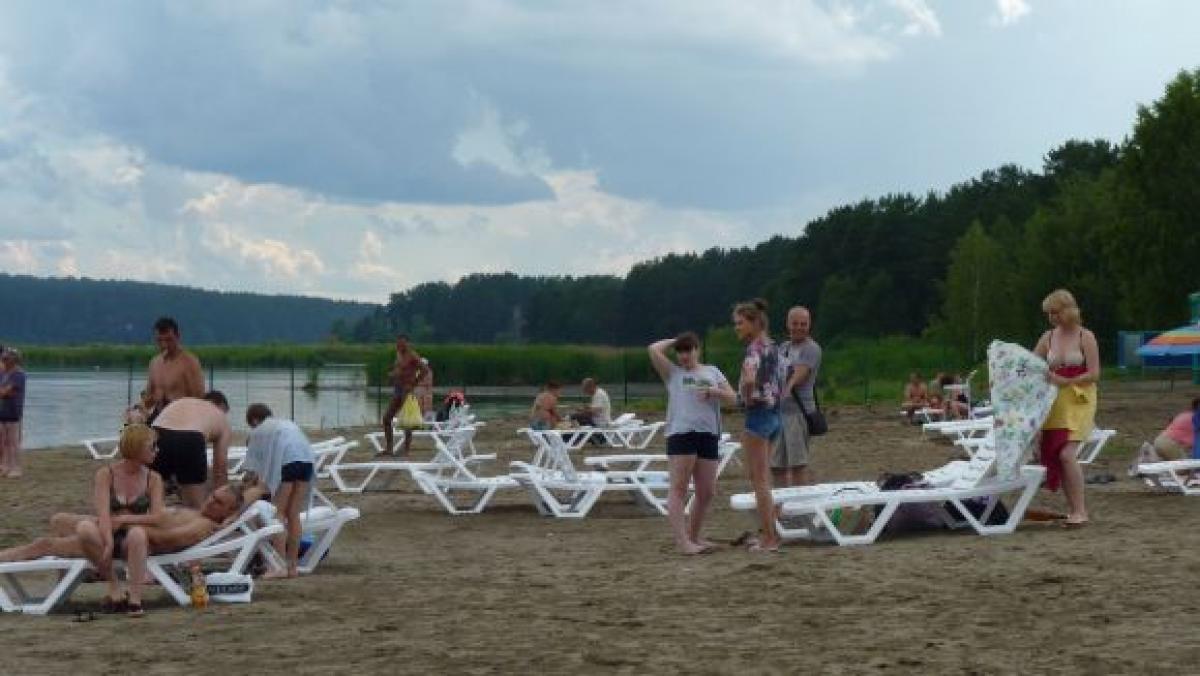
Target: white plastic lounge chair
633 436
17 594
1085 453
237 542
982 463
323 524
452 476
821 509
248 533
556 488
445 448
354 477
1091 449
376 438
102 448
642 475
1172 476
959 429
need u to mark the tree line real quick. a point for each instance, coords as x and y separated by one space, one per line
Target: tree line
66 311
1114 222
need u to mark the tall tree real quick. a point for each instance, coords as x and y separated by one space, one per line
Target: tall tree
979 303
1155 245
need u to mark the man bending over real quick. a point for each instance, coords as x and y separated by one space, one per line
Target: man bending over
185 428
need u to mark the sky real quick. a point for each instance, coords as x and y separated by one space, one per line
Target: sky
352 149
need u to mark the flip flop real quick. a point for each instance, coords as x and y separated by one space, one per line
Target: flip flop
1074 525
110 605
134 610
745 538
757 547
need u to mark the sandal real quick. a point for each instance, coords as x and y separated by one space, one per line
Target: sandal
110 605
745 538
134 610
758 547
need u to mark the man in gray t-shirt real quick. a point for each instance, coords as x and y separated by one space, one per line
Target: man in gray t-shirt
800 356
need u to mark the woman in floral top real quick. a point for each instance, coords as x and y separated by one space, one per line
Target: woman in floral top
759 388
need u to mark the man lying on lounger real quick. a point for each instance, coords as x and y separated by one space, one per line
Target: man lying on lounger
180 528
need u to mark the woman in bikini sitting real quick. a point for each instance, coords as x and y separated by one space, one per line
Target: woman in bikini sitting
128 499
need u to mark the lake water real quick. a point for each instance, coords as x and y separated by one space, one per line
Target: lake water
65 406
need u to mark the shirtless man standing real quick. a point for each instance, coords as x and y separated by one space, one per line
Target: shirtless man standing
184 429
175 373
407 371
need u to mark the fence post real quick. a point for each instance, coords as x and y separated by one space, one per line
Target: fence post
625 376
129 386
292 387
379 398
211 377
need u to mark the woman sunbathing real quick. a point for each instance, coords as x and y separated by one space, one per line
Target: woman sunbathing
128 498
128 527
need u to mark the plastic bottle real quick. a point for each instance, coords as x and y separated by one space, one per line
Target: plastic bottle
199 591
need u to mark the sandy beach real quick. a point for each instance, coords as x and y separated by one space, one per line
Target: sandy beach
409 589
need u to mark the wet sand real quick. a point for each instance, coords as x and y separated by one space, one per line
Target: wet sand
409 589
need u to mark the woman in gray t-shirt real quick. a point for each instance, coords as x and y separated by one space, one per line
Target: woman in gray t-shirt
694 395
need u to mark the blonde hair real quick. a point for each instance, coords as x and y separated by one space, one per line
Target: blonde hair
133 440
754 311
1064 303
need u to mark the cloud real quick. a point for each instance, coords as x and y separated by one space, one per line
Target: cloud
1009 12
456 102
920 19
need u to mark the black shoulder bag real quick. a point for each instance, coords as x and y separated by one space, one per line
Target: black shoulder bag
815 418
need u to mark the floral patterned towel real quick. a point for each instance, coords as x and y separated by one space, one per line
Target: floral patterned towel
1021 400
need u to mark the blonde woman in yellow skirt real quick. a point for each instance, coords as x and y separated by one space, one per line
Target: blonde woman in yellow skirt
1073 355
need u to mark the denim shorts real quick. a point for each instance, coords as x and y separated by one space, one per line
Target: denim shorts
763 422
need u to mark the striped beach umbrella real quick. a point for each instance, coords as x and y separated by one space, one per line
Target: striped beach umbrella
1182 341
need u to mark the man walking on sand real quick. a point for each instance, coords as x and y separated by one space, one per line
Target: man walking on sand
185 428
801 357
407 371
175 373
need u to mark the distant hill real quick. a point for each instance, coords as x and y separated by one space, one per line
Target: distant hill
56 311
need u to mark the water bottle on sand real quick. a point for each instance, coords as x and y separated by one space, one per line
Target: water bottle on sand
199 591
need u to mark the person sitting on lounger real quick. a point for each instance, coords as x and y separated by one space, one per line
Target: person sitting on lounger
955 403
128 498
177 528
916 395
544 414
1177 441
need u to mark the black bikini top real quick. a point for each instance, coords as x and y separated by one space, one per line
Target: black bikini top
139 505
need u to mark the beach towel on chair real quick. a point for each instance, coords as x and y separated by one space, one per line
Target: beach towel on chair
1021 400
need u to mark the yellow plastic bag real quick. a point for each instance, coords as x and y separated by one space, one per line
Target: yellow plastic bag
410 413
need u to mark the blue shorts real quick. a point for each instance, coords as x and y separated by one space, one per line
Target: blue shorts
763 422
296 471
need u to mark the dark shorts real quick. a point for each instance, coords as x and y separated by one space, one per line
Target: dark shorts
182 455
763 422
700 444
296 471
